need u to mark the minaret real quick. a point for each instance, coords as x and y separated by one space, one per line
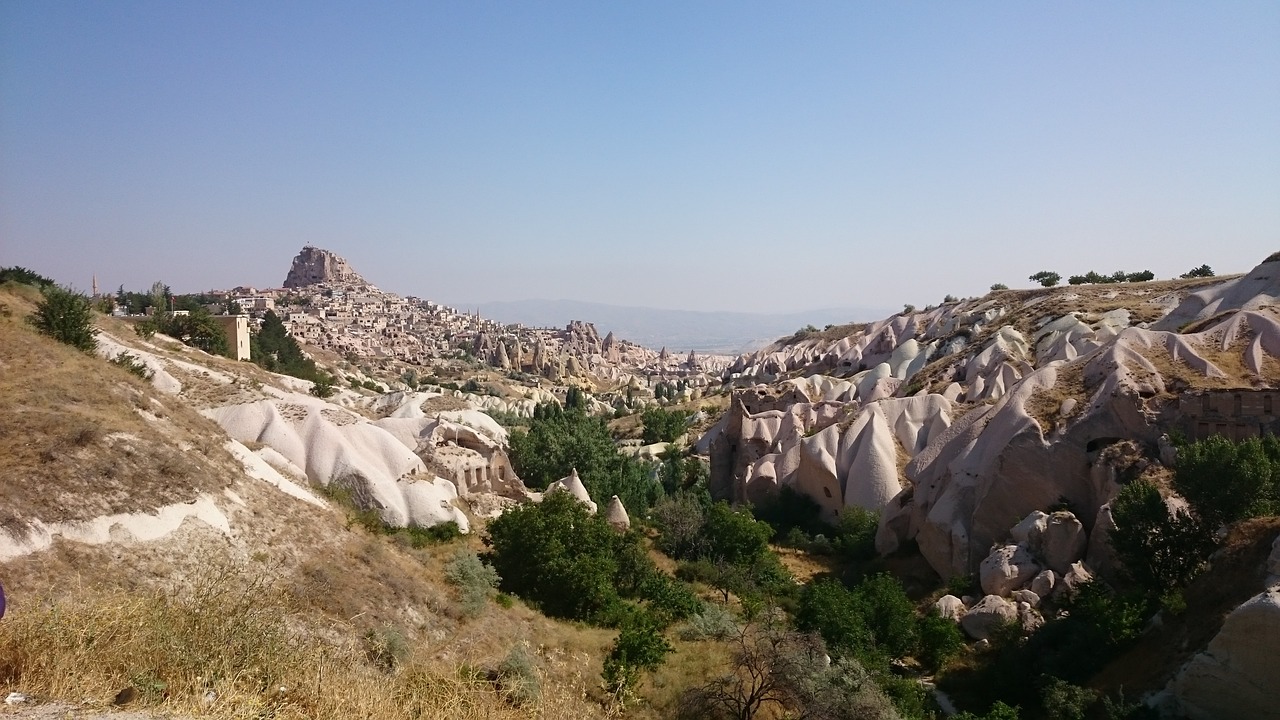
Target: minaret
95 285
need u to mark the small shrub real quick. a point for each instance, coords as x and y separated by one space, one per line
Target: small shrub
715 622
998 286
1064 701
940 640
473 578
517 679
133 365
386 647
322 387
639 648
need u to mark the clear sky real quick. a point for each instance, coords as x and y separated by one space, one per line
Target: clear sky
701 155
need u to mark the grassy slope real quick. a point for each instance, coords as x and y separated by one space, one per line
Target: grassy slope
286 600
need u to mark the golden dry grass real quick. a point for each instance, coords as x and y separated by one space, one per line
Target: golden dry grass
242 641
75 437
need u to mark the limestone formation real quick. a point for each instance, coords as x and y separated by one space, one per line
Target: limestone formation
1063 541
1235 677
314 265
333 447
950 607
990 612
1042 585
1021 401
1006 569
616 515
573 485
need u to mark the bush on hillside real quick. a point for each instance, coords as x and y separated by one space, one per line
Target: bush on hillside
1047 278
66 316
1161 550
1199 272
559 441
474 579
663 425
639 648
573 565
1227 481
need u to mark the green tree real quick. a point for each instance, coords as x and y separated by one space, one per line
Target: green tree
1047 278
663 425
640 647
66 316
1227 481
1199 272
198 329
559 441
23 276
1161 550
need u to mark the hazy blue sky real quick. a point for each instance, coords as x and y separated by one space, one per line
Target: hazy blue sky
738 155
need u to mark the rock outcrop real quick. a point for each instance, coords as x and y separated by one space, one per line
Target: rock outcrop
314 265
616 515
1235 677
573 485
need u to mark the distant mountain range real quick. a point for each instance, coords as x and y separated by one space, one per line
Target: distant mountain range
726 333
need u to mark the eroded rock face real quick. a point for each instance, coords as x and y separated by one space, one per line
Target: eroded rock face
950 607
1235 678
1006 569
314 265
1063 541
990 612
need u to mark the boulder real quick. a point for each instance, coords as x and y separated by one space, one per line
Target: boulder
1235 677
617 516
1029 618
1029 530
1042 584
990 612
1006 569
1071 581
1063 541
1026 596
950 607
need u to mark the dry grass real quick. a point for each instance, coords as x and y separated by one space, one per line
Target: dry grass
242 640
1045 405
75 442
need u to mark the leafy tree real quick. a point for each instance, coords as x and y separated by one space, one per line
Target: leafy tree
23 276
998 286
573 565
735 536
1047 278
559 441
679 519
1226 481
827 608
1143 276
66 316
940 640
639 648
197 329
1161 550
663 425
1199 272
273 349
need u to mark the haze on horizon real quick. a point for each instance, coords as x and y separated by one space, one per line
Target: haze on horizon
756 157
